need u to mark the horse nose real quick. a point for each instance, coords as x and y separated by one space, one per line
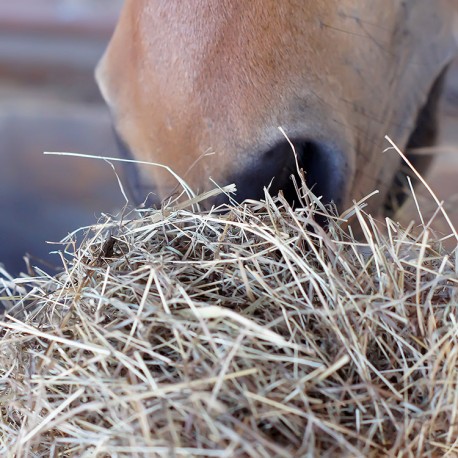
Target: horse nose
325 168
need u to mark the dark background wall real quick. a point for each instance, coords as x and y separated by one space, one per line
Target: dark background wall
49 102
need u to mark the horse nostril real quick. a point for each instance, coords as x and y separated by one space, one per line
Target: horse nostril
325 171
324 166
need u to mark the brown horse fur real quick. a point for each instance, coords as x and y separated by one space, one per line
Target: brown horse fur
185 78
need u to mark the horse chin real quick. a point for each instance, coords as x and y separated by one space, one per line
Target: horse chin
423 136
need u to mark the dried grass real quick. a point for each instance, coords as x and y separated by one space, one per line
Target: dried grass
250 333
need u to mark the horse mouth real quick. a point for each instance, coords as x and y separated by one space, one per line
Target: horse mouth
324 171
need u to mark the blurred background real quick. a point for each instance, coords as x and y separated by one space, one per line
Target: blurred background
49 102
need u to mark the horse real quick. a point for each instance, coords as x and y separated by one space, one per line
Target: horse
203 86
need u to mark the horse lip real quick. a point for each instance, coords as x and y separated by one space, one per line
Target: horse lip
141 194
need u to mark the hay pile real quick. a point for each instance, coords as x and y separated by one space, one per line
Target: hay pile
251 333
